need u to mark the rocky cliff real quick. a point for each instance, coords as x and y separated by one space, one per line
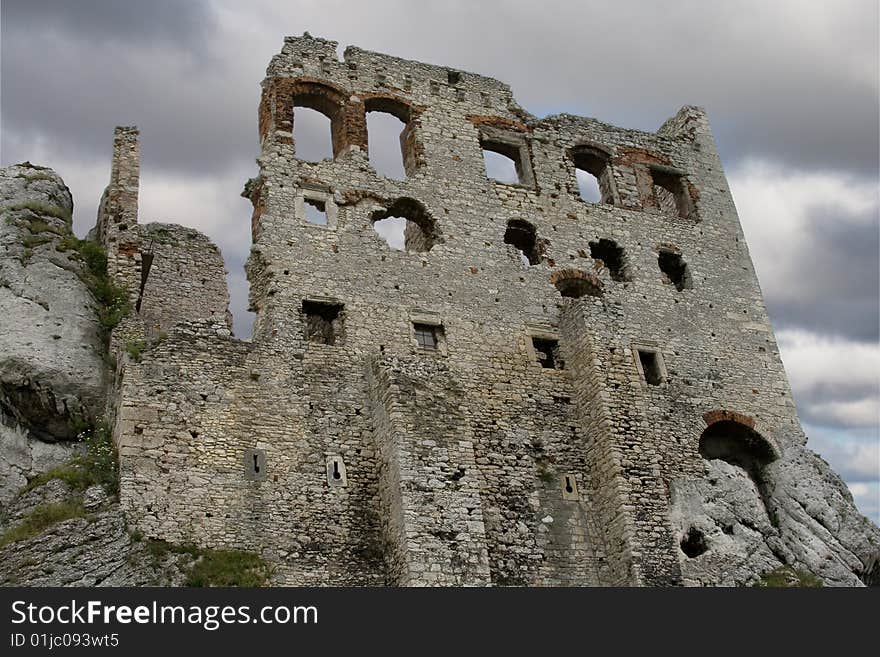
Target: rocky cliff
52 352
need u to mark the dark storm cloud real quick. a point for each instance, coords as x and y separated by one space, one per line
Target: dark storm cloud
837 291
790 82
130 23
69 81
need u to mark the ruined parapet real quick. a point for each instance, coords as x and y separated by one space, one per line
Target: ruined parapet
172 273
117 226
185 280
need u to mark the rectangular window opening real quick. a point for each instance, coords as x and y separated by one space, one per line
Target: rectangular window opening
316 211
547 352
651 367
506 156
426 336
670 193
323 322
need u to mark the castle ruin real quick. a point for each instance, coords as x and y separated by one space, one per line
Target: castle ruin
537 390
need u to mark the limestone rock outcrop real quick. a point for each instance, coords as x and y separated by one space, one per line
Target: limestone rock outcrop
52 369
804 516
91 548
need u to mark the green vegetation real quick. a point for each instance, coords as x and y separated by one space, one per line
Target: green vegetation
113 299
163 236
33 241
228 568
135 348
40 518
788 577
36 226
43 208
98 464
212 567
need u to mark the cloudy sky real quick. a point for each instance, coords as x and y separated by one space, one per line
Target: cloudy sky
791 88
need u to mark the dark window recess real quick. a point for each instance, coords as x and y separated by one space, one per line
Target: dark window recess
575 288
651 367
522 235
426 336
593 174
670 193
612 256
146 264
323 321
548 354
316 211
676 269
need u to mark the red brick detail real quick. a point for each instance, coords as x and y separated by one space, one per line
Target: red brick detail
711 417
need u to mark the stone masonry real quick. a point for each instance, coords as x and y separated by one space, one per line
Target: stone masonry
538 391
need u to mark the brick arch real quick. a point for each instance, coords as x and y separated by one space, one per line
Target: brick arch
280 96
733 436
402 108
575 283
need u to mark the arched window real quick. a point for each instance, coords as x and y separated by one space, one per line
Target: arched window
611 255
675 268
312 135
506 156
406 226
740 445
391 137
574 284
737 444
670 192
593 174
315 108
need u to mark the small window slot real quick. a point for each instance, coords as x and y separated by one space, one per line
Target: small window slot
651 366
426 336
570 487
336 475
255 464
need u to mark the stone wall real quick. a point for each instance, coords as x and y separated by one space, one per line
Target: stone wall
186 278
355 455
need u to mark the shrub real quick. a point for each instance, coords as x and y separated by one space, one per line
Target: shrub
114 302
212 567
98 464
135 348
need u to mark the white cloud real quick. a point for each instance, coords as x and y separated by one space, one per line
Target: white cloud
867 499
775 206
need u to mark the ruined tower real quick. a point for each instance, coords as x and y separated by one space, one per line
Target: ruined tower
537 390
